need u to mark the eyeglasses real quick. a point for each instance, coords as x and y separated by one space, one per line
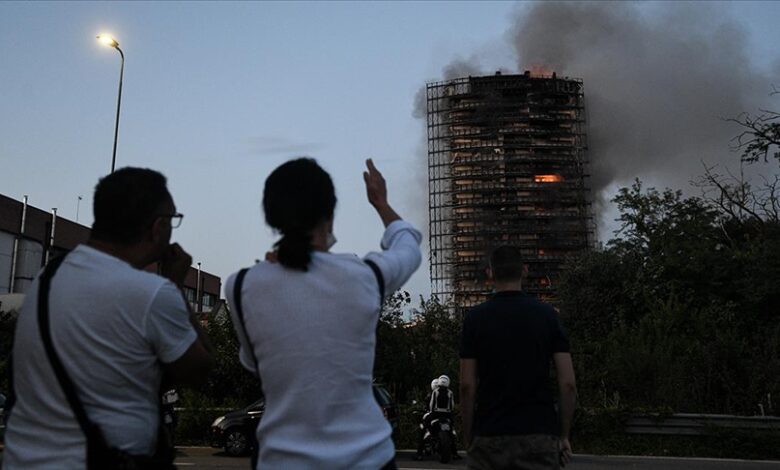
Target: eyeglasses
175 219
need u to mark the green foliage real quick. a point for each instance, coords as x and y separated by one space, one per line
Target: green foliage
679 310
194 422
394 345
229 384
411 354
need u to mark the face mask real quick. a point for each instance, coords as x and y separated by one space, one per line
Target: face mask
330 241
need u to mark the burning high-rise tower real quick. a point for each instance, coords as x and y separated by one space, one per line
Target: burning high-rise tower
506 165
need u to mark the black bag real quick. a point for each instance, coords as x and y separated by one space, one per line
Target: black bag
100 455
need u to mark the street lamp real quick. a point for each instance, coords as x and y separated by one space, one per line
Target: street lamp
109 41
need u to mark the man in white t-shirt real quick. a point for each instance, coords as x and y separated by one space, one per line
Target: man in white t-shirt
118 330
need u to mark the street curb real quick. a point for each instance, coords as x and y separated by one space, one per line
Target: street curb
666 457
653 457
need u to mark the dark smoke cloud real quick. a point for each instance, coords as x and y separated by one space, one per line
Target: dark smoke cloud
462 68
657 85
458 68
417 192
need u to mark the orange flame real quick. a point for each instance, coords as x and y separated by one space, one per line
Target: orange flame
548 179
540 71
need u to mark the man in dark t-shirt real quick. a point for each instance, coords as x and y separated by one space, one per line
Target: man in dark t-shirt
507 345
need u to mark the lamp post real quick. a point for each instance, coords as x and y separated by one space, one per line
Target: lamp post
109 41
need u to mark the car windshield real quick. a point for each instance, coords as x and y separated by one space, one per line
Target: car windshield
382 396
257 406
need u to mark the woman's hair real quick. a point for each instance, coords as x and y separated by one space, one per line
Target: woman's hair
298 196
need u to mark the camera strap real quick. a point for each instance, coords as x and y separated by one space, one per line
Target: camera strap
64 380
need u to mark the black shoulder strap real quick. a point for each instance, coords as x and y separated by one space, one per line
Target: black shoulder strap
237 292
238 283
10 400
68 388
379 279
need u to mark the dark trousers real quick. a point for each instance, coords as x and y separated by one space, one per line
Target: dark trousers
523 452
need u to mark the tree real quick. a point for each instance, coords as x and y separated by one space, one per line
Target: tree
679 310
229 384
411 353
393 345
738 201
760 136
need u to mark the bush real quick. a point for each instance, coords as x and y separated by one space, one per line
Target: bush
678 311
196 417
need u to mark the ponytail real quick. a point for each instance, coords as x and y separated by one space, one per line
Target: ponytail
294 250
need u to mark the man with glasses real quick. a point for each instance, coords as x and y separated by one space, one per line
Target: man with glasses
175 219
119 331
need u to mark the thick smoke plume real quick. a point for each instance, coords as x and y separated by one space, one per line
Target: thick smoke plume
659 83
658 86
419 191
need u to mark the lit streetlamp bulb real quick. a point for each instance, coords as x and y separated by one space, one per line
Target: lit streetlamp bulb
107 40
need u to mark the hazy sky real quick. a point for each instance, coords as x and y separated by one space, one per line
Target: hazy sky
218 94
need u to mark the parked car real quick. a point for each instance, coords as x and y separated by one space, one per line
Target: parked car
234 431
389 408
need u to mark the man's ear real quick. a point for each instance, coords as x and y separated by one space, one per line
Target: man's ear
489 274
525 270
156 230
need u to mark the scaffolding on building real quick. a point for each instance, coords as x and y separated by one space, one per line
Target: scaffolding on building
506 165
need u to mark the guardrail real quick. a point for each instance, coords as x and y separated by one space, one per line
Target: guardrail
198 410
691 424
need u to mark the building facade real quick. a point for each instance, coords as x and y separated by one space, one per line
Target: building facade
29 237
507 164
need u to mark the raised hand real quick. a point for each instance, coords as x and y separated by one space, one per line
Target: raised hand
175 263
376 190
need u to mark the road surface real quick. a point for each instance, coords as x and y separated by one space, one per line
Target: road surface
197 458
194 458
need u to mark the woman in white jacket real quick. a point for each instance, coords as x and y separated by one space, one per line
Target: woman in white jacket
309 319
